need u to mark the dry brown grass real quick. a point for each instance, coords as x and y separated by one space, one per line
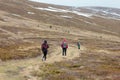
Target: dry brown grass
101 60
89 66
48 71
38 26
13 52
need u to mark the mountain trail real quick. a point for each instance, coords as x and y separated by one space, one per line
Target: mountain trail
20 69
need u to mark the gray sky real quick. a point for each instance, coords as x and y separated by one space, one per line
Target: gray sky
79 3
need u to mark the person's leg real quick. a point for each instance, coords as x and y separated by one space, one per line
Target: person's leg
45 55
78 46
65 51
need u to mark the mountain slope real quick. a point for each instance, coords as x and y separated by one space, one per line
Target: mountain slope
25 24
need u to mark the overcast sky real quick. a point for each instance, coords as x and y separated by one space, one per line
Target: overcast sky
79 3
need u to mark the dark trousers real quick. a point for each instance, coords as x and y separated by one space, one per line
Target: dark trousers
64 51
44 54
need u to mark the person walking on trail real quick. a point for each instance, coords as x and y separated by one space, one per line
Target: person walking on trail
78 44
44 48
64 46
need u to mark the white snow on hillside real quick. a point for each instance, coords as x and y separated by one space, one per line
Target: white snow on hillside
108 12
115 14
82 14
66 16
16 15
30 12
107 17
104 13
65 11
53 9
92 11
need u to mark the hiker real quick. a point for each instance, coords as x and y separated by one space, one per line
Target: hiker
64 46
78 44
44 48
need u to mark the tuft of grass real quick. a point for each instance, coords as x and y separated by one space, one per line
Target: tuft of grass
50 27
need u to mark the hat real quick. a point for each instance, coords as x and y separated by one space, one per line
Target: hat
64 40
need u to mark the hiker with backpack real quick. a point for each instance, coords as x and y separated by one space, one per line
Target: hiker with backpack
44 48
78 44
64 46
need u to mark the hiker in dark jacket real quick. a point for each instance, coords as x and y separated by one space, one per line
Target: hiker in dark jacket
64 46
44 48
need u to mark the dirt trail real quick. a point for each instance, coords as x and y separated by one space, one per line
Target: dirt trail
17 69
72 52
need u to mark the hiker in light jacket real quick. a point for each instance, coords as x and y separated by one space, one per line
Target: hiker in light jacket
64 46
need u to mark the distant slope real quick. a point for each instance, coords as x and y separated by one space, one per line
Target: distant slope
98 19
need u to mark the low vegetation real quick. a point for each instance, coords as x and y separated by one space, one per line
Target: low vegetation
89 66
18 51
23 27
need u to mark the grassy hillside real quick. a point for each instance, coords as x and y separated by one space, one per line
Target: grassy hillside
25 24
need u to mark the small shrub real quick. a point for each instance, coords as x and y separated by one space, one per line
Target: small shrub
50 27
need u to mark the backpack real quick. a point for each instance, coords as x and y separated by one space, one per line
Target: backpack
64 45
44 46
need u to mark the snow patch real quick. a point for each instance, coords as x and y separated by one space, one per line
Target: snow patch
82 14
66 16
64 11
53 9
16 15
90 23
30 12
105 13
95 10
115 14
107 17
